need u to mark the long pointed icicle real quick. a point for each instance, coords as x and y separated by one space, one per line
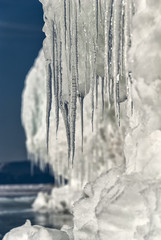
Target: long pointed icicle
65 21
57 88
49 100
60 73
76 46
103 97
115 54
92 100
110 77
118 97
79 4
93 81
107 24
82 120
70 40
73 107
55 74
97 18
65 113
97 82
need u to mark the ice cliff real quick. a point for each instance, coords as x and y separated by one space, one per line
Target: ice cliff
119 41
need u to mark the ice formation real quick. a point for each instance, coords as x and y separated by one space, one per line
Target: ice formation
116 45
98 154
126 205
86 42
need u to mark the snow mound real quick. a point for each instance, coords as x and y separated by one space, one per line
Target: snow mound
29 232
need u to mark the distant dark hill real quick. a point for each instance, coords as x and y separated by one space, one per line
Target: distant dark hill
20 173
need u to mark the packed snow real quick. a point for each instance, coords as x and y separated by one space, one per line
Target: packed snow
124 202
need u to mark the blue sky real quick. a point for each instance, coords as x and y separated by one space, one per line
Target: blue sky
21 37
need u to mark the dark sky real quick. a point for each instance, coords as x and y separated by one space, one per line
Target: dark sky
21 38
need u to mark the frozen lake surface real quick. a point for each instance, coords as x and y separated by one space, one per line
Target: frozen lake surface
16 206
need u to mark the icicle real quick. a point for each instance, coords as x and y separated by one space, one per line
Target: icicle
110 77
55 74
82 122
65 21
106 48
79 4
116 54
126 39
73 106
60 73
118 99
53 59
92 96
97 18
93 80
65 113
76 45
97 82
100 8
49 100
127 43
70 40
57 89
102 96
130 92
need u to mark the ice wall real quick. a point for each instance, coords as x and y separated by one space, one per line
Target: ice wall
99 153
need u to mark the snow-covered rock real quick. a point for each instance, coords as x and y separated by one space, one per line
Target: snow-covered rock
29 232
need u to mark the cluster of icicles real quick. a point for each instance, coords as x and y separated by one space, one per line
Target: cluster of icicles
86 42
